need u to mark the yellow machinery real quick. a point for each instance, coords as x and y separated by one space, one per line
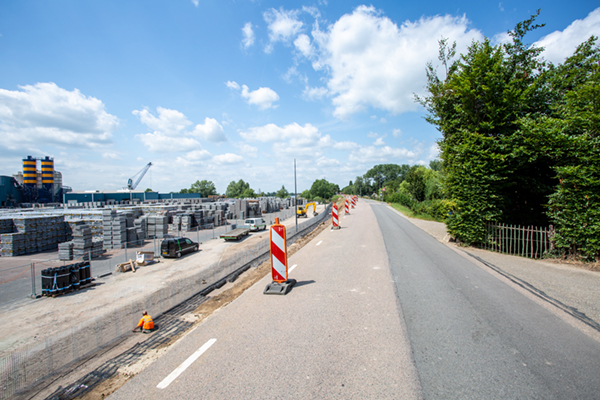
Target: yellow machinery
302 210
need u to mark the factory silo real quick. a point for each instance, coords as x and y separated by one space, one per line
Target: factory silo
48 174
29 172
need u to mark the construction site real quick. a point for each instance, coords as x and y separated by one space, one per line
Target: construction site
70 260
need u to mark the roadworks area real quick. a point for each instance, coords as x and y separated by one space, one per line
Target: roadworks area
81 342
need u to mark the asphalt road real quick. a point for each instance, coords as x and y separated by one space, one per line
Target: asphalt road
382 310
337 335
474 336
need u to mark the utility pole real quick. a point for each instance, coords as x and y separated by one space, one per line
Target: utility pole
296 195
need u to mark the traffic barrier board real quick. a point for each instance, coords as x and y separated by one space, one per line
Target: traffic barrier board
335 221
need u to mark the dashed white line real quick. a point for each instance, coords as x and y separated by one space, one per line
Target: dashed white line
177 371
292 267
320 241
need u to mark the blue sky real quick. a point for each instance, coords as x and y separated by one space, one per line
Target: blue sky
226 90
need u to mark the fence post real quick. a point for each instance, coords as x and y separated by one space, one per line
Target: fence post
33 294
125 250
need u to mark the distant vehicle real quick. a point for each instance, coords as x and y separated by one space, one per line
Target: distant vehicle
236 234
176 247
255 224
302 210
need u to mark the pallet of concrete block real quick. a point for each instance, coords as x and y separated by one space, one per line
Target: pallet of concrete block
65 279
82 241
65 251
97 247
12 244
7 225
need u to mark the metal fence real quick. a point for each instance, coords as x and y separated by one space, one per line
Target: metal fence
531 242
23 281
26 366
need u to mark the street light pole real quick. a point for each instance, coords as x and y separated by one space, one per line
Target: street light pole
296 195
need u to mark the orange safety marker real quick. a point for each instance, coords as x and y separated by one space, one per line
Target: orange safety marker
352 201
279 269
335 221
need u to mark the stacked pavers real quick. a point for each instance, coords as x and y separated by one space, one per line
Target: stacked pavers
97 247
158 226
140 228
65 251
115 229
82 241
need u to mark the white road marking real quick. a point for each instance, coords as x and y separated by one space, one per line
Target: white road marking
177 371
320 241
292 267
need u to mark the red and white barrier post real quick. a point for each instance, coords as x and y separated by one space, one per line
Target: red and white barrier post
335 221
346 207
279 270
352 201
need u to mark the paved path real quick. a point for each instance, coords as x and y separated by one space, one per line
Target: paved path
338 334
476 336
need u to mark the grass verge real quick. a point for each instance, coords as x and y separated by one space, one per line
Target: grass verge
411 214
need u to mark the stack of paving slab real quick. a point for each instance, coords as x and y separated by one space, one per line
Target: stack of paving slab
82 241
97 247
158 226
12 244
65 251
140 225
115 229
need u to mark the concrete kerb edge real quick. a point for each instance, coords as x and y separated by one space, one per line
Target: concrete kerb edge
59 351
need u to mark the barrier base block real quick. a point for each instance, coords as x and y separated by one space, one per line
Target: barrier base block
335 227
279 288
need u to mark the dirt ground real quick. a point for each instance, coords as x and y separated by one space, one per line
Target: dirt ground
217 299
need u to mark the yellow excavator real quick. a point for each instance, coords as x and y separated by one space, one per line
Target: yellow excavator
302 210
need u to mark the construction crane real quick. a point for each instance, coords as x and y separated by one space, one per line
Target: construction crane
131 185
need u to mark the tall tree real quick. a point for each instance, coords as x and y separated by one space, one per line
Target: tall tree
236 189
491 168
282 193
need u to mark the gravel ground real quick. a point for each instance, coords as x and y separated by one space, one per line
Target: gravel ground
570 284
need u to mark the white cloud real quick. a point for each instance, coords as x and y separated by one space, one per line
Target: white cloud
292 139
210 131
158 142
232 85
346 145
263 97
283 26
379 142
303 45
47 114
372 62
228 159
111 156
501 38
397 132
384 154
372 135
562 44
274 133
324 162
168 122
198 155
383 120
314 93
247 150
196 2
248 34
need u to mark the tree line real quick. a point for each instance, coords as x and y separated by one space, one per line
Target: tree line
520 138
320 190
